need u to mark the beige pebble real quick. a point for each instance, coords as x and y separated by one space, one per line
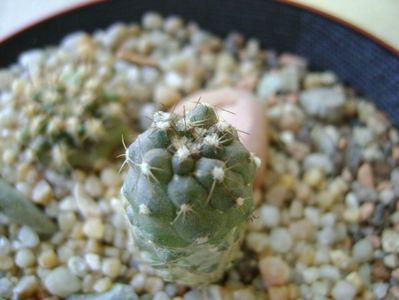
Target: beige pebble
93 186
166 96
42 193
25 287
6 263
274 271
279 293
366 210
94 228
153 285
48 259
111 267
102 285
242 110
365 175
61 282
302 229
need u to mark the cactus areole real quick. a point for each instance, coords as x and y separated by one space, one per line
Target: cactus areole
189 194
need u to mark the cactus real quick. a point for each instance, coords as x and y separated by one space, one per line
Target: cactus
189 194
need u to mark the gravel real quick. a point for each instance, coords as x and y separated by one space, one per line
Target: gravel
326 221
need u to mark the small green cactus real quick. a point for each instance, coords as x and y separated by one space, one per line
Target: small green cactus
189 194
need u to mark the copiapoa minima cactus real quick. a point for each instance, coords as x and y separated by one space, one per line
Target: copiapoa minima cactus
189 194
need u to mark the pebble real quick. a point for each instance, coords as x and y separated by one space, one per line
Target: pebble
166 96
6 263
257 241
320 161
380 290
24 258
274 270
5 246
93 186
270 215
6 287
94 228
102 285
391 261
281 240
153 285
111 267
28 237
42 193
56 281
324 103
284 80
278 293
365 175
93 261
390 241
363 251
77 266
343 290
25 287
48 259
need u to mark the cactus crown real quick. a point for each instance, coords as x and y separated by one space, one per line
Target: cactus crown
189 184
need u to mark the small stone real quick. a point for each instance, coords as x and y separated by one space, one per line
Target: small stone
6 262
111 267
77 265
343 290
281 240
48 259
279 293
42 193
102 285
327 236
314 177
391 261
94 228
270 215
93 261
5 246
241 294
363 251
24 258
153 285
324 103
380 290
25 287
386 196
166 96
93 186
390 241
161 295
310 274
365 175
274 271
276 195
329 272
302 230
110 177
152 20
366 211
61 282
28 237
257 241
6 287
318 161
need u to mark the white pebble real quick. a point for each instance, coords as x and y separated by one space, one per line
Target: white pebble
110 177
153 285
93 261
25 287
281 240
390 241
329 272
5 246
310 275
6 287
61 282
77 265
363 250
161 296
343 290
42 192
93 186
24 258
270 215
380 290
28 237
94 228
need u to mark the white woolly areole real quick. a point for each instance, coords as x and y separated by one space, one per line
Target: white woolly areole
144 210
240 201
145 168
162 120
201 240
218 174
184 208
256 160
212 140
182 153
222 125
184 124
199 132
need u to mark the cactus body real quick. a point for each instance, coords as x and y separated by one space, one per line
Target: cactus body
189 193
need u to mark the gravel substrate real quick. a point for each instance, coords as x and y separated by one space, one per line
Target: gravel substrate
326 224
